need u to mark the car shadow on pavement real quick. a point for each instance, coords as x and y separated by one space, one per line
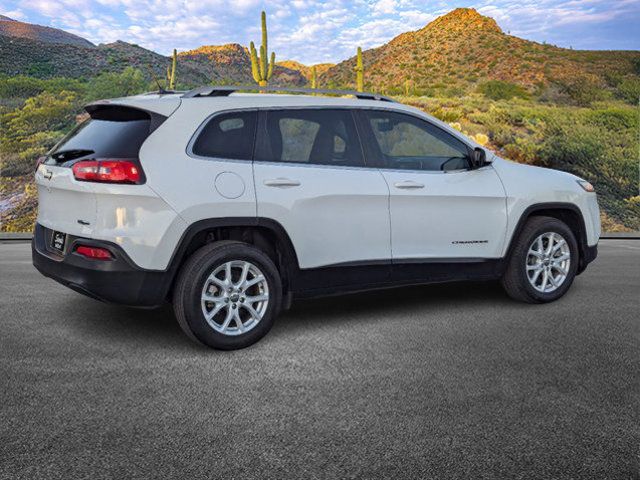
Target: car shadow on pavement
158 326
372 304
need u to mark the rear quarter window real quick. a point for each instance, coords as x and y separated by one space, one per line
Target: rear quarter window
228 135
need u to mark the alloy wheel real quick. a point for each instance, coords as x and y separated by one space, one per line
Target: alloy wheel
548 261
235 297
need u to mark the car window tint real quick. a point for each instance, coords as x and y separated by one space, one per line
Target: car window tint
229 135
407 142
314 136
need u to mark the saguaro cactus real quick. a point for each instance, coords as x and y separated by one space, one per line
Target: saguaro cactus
174 65
170 81
262 68
359 72
314 77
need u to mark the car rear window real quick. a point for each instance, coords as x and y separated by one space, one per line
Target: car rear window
108 133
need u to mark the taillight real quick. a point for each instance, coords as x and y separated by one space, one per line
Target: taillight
109 171
95 253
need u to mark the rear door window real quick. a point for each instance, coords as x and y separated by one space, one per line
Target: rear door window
311 136
108 133
229 135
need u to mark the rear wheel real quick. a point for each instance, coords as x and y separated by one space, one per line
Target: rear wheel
543 263
227 295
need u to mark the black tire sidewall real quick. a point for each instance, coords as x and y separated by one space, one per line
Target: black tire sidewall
556 226
198 274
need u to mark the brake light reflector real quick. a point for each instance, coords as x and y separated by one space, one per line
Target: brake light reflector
109 171
95 253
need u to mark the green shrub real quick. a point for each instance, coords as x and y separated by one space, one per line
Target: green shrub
583 90
499 90
629 90
111 85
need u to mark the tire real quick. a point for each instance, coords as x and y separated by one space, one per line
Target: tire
191 300
522 265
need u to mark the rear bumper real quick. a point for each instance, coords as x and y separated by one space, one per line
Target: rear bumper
116 281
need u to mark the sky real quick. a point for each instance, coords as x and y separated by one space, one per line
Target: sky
328 31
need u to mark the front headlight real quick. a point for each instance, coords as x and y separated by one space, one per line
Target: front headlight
586 186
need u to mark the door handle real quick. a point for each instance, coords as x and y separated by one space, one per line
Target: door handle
282 183
408 184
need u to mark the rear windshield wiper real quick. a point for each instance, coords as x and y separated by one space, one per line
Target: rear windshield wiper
66 155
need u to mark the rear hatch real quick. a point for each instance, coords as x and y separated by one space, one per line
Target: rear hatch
112 136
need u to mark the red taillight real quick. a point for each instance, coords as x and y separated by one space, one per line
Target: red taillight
110 171
96 253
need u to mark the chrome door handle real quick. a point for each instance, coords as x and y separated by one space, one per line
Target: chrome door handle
407 184
281 182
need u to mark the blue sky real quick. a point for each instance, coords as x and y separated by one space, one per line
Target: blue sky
329 31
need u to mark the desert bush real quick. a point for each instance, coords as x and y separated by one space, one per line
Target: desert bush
111 85
31 130
499 90
22 86
629 90
582 90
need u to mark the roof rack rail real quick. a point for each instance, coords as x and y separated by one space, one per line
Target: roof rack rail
224 91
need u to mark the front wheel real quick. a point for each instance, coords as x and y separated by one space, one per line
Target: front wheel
543 263
227 295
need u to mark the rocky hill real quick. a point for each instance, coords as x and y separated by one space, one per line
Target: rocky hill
231 64
463 48
13 28
304 69
29 57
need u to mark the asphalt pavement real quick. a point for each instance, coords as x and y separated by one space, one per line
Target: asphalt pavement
445 381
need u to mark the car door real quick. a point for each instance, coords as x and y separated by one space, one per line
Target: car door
440 208
310 177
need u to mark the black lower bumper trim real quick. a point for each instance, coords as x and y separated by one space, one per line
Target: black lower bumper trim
589 254
116 281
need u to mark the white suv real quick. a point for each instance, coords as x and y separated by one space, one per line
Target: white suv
229 205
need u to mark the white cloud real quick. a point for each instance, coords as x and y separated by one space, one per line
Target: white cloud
16 14
306 30
384 7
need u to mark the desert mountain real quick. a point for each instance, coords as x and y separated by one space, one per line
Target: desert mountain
304 69
13 28
231 64
455 52
462 48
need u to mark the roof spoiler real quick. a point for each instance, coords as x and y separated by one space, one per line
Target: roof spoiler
225 91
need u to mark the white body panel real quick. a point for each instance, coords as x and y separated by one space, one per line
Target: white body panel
460 214
132 216
188 183
526 185
335 215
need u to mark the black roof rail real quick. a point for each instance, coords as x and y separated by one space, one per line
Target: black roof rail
224 91
164 92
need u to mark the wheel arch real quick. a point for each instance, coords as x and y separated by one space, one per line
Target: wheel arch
568 213
264 233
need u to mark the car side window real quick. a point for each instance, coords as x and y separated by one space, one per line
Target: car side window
229 135
311 136
407 142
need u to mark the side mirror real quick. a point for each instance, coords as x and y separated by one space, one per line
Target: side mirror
478 158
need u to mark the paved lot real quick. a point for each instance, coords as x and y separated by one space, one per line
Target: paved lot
452 381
